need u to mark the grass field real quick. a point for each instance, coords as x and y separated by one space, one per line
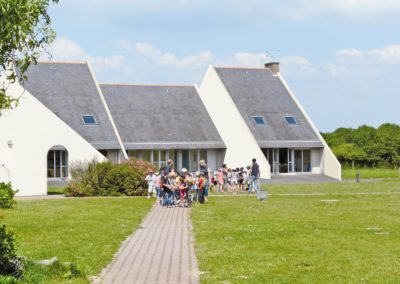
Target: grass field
84 231
55 190
302 238
384 186
368 173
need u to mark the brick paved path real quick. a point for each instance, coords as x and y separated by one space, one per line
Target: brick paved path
160 251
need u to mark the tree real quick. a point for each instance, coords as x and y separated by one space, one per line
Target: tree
25 33
366 145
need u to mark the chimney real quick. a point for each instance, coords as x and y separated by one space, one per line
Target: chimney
273 66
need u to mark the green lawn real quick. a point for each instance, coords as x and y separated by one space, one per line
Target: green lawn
367 173
373 186
55 190
85 231
301 239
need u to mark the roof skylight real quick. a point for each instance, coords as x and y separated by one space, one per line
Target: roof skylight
89 119
291 120
259 120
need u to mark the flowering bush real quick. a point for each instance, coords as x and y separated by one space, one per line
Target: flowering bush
142 168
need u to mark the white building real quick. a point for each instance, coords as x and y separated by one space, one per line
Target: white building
235 115
269 123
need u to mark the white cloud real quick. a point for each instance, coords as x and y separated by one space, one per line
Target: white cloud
194 61
64 49
249 59
335 70
297 66
107 62
289 65
365 63
386 55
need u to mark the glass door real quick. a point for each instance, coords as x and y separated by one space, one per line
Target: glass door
290 160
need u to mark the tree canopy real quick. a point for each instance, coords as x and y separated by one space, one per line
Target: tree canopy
366 145
25 32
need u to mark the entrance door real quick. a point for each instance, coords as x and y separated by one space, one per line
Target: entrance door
283 160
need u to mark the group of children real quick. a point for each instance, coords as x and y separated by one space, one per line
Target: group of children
182 189
177 189
233 180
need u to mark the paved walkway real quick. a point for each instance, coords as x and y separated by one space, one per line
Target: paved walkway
160 251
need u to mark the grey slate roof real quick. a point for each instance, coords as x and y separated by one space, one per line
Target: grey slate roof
69 90
161 117
256 92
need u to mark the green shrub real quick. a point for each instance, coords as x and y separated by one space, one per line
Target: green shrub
106 179
10 263
124 180
78 189
7 279
6 195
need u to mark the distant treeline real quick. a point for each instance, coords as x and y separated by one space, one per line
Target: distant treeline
366 146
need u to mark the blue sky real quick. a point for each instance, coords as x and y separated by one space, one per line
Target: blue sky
340 58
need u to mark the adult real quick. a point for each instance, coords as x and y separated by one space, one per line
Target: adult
255 176
168 187
168 167
225 175
207 175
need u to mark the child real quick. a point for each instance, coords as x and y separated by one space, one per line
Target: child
220 177
183 186
157 185
201 182
150 178
194 192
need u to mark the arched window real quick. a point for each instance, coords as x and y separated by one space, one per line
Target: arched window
57 162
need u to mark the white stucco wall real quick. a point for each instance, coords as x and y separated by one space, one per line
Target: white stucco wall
4 174
316 159
240 143
330 164
33 130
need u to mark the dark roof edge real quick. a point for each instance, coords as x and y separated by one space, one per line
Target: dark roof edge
240 67
175 145
145 85
63 62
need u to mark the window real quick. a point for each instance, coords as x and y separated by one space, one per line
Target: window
259 120
89 119
57 164
193 160
291 120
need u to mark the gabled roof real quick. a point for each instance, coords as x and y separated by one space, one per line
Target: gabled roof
70 91
161 117
257 92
